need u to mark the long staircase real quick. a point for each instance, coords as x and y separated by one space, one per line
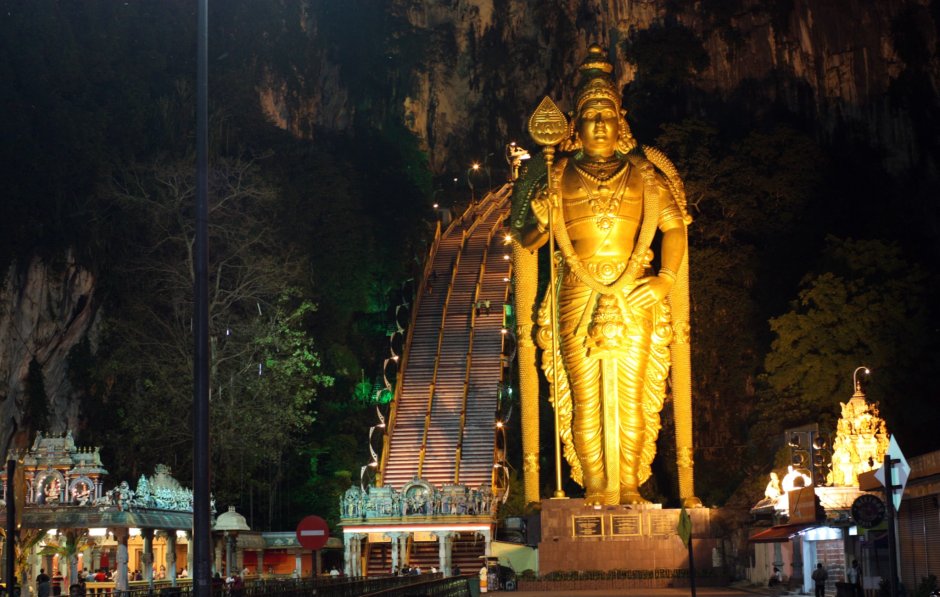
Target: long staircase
442 424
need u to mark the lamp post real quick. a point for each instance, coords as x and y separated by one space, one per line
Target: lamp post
473 168
855 384
489 179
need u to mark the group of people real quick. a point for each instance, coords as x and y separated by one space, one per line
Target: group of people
412 570
853 577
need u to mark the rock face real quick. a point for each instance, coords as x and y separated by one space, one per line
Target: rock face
486 63
45 310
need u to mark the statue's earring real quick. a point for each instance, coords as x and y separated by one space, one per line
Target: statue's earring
625 141
573 142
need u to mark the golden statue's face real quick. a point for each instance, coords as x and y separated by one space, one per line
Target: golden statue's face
598 127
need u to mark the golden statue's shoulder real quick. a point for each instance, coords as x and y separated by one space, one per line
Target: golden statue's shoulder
532 178
669 174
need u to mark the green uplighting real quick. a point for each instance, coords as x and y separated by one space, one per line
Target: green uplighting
385 396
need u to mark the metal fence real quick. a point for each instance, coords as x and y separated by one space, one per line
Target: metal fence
430 585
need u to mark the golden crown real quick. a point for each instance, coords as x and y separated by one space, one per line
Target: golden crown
596 82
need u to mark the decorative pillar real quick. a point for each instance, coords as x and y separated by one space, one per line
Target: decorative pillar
260 570
35 560
120 578
87 560
352 557
347 554
146 558
394 537
445 547
298 564
189 553
217 561
171 556
230 545
488 538
403 545
356 550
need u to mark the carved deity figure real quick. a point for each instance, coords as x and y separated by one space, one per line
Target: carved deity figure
617 214
772 491
861 441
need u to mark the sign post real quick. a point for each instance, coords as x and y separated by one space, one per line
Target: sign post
684 530
895 469
312 534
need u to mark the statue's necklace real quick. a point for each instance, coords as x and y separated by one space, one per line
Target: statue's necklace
604 199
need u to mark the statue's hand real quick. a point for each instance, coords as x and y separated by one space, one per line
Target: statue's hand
541 206
650 291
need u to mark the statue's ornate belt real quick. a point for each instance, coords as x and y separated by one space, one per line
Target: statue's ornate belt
604 272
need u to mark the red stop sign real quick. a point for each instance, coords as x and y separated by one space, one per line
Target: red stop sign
312 532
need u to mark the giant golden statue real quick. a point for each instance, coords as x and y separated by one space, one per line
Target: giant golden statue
616 314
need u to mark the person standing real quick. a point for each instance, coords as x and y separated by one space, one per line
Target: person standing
43 588
775 577
853 576
819 578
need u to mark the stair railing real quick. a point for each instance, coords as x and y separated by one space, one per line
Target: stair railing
399 382
458 456
437 355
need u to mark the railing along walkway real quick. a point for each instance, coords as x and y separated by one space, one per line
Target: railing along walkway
423 584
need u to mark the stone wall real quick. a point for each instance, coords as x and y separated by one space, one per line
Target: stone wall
626 538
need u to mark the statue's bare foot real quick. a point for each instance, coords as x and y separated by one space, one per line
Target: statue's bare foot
594 498
692 502
632 497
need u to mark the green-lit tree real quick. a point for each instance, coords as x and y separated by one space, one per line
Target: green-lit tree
746 196
865 303
285 375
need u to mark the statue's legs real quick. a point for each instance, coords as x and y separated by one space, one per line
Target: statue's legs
632 368
584 379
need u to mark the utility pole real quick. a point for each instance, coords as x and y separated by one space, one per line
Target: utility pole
10 546
201 501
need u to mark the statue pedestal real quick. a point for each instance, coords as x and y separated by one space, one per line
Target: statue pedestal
642 537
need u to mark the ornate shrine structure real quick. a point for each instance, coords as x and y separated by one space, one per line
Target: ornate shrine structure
816 522
66 509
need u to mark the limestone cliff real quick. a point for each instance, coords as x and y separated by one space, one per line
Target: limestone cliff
45 310
484 64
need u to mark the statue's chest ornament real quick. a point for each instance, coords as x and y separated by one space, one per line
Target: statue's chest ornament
604 190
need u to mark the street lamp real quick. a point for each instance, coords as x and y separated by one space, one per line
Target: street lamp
473 168
855 383
489 179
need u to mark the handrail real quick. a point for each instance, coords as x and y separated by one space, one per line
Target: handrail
458 456
406 351
458 453
502 379
437 355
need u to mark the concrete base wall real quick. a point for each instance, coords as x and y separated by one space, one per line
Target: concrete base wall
579 537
